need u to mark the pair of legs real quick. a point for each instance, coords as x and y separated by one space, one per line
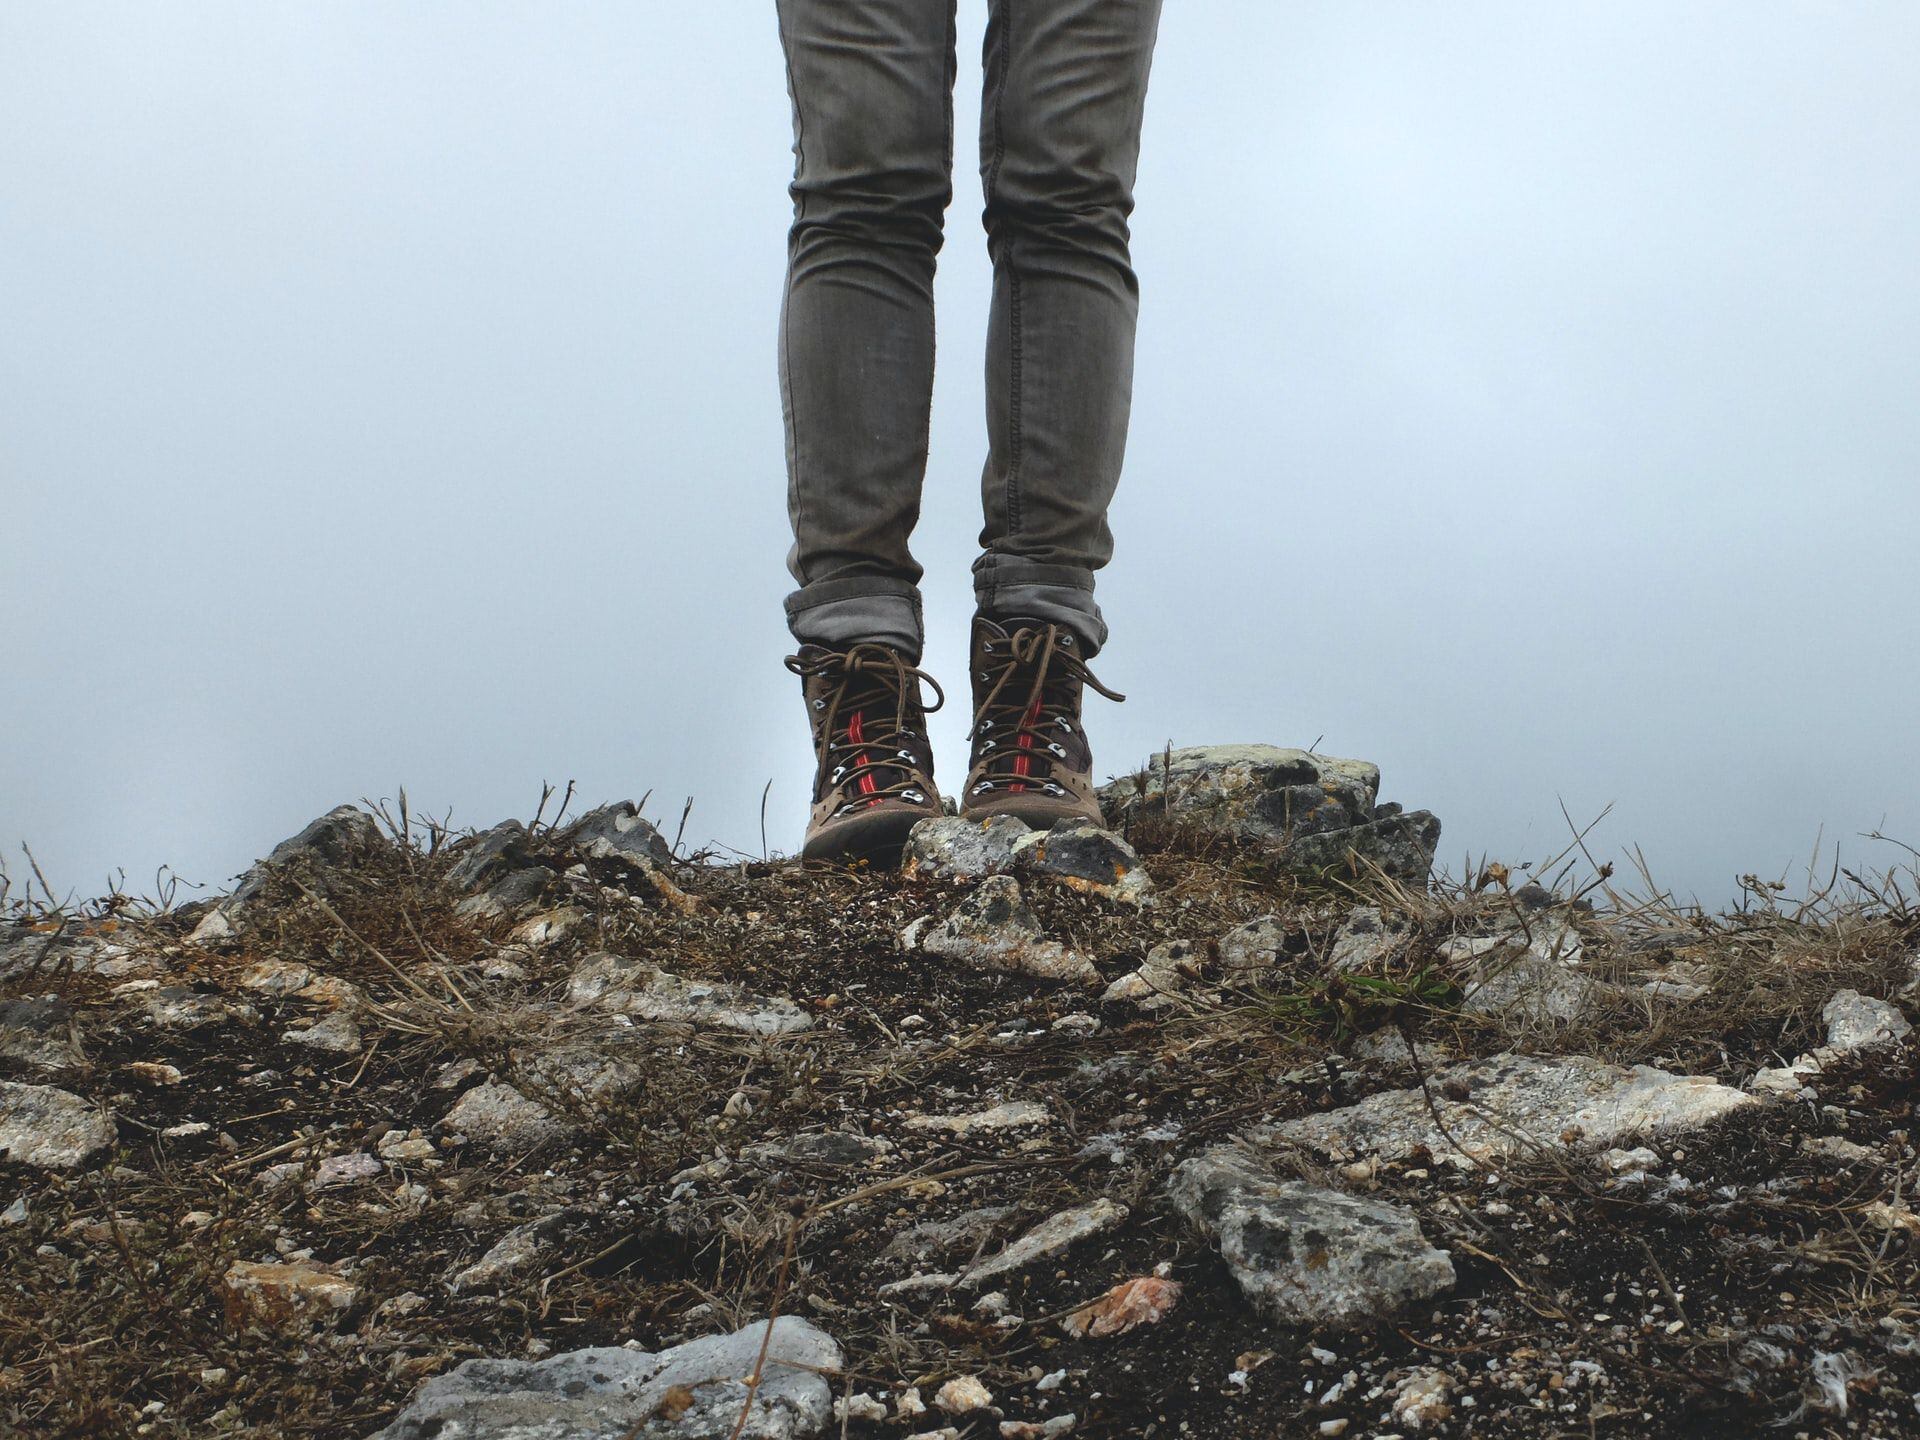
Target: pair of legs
872 88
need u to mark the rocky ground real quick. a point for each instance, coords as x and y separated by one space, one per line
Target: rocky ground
1223 1122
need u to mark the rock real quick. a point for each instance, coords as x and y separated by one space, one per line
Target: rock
1513 1104
515 1250
1127 1306
832 1149
1251 791
1006 1116
285 981
1856 1022
1049 1237
500 1115
1365 940
51 1128
548 926
962 1395
346 1169
695 1391
1401 847
336 1034
174 1007
40 1034
992 929
950 848
936 1239
1246 950
1533 984
155 1072
618 832
632 987
509 895
1305 1255
1856 1025
490 855
1319 809
1423 1399
338 838
279 1295
1162 977
1084 857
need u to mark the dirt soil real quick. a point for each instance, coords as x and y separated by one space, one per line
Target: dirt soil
1746 1284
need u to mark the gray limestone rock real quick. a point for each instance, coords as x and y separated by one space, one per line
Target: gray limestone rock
633 987
1365 940
1514 1104
1248 949
51 1128
828 1149
491 854
336 839
950 848
618 831
695 1391
1538 983
1251 791
40 1034
992 929
1162 977
1321 810
1085 857
1049 1238
500 1115
1303 1254
1858 1022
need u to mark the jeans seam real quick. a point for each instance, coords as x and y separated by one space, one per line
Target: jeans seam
1011 487
786 295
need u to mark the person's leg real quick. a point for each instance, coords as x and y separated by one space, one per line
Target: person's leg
872 88
1066 84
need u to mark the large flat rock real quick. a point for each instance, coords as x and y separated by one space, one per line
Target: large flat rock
695 1391
1303 1254
1510 1105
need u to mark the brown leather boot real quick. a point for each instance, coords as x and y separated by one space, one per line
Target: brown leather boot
874 776
1030 759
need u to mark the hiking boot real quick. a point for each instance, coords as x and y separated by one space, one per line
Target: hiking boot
874 776
1030 755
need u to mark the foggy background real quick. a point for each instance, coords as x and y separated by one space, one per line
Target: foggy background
1525 401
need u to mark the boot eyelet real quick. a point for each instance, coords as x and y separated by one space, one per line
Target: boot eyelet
1058 749
983 787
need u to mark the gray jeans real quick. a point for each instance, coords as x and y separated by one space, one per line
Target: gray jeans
872 89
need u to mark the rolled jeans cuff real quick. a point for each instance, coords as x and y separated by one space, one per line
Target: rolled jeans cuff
1009 588
839 613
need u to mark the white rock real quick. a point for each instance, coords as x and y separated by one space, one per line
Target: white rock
51 1128
1423 1399
336 1034
1009 1115
1049 1237
632 987
501 1115
992 929
1254 946
1161 978
962 1395
947 847
1303 1254
599 1393
1856 1022
1515 1104
347 1169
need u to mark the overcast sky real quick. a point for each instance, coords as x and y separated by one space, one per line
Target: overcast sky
1526 401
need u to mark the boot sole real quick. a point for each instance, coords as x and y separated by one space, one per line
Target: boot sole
877 839
1035 812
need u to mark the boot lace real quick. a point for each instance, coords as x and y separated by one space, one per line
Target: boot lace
874 689
1016 730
